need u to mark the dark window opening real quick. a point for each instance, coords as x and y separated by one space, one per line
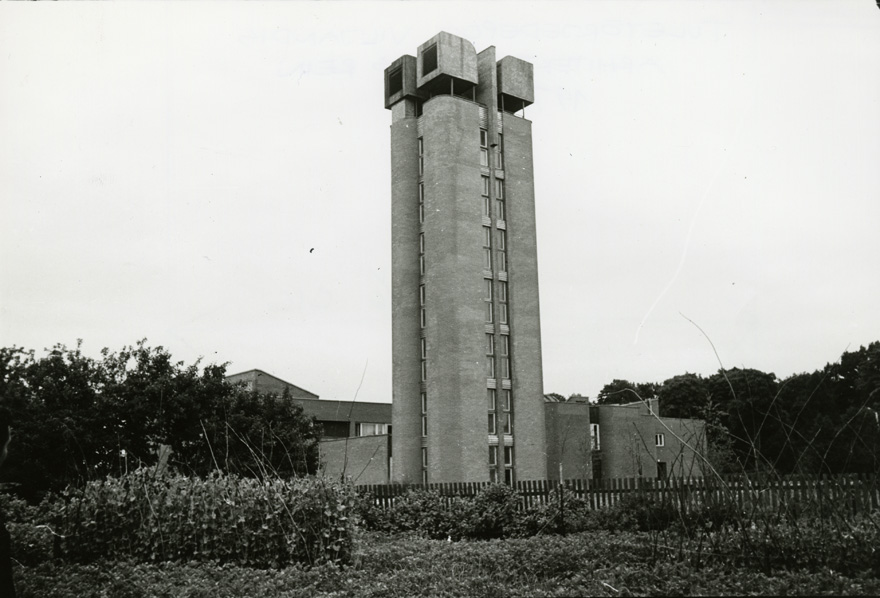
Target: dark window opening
334 429
661 470
429 60
395 81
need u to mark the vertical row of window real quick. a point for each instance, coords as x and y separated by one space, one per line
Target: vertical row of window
484 150
500 249
492 395
497 346
423 343
488 286
424 400
508 464
500 212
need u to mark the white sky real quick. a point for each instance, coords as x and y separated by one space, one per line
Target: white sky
166 170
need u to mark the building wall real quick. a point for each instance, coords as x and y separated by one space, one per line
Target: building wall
568 440
260 381
405 332
455 329
363 460
522 269
629 447
343 416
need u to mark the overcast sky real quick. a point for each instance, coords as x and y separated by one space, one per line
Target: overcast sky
216 178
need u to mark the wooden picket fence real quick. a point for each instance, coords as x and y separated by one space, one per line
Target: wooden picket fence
855 493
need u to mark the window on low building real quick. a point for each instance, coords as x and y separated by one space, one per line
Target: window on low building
370 429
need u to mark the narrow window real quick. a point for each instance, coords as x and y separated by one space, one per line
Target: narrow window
493 455
505 344
429 59
421 242
487 288
499 152
487 258
490 313
425 477
508 456
505 400
484 148
421 157
424 456
499 188
505 367
486 185
424 371
490 344
595 441
490 394
660 439
421 265
500 210
422 317
424 425
508 424
493 475
421 213
424 348
395 81
422 296
490 367
424 403
421 193
502 261
502 313
486 202
502 240
487 236
492 429
484 138
502 291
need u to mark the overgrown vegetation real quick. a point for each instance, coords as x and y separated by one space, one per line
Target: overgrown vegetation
586 564
78 419
222 518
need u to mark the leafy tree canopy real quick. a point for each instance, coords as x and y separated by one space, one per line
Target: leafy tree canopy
76 418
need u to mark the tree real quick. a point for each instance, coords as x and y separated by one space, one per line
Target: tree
683 396
747 396
78 419
619 392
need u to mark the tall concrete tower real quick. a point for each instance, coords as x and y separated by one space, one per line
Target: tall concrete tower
467 378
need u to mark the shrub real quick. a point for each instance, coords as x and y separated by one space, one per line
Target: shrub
223 518
492 513
641 512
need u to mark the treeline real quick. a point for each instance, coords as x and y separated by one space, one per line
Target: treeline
78 419
827 421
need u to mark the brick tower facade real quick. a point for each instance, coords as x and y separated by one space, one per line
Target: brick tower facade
467 377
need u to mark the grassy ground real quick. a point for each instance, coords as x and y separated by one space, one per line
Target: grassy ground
585 564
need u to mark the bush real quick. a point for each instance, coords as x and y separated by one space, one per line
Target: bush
492 513
223 518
